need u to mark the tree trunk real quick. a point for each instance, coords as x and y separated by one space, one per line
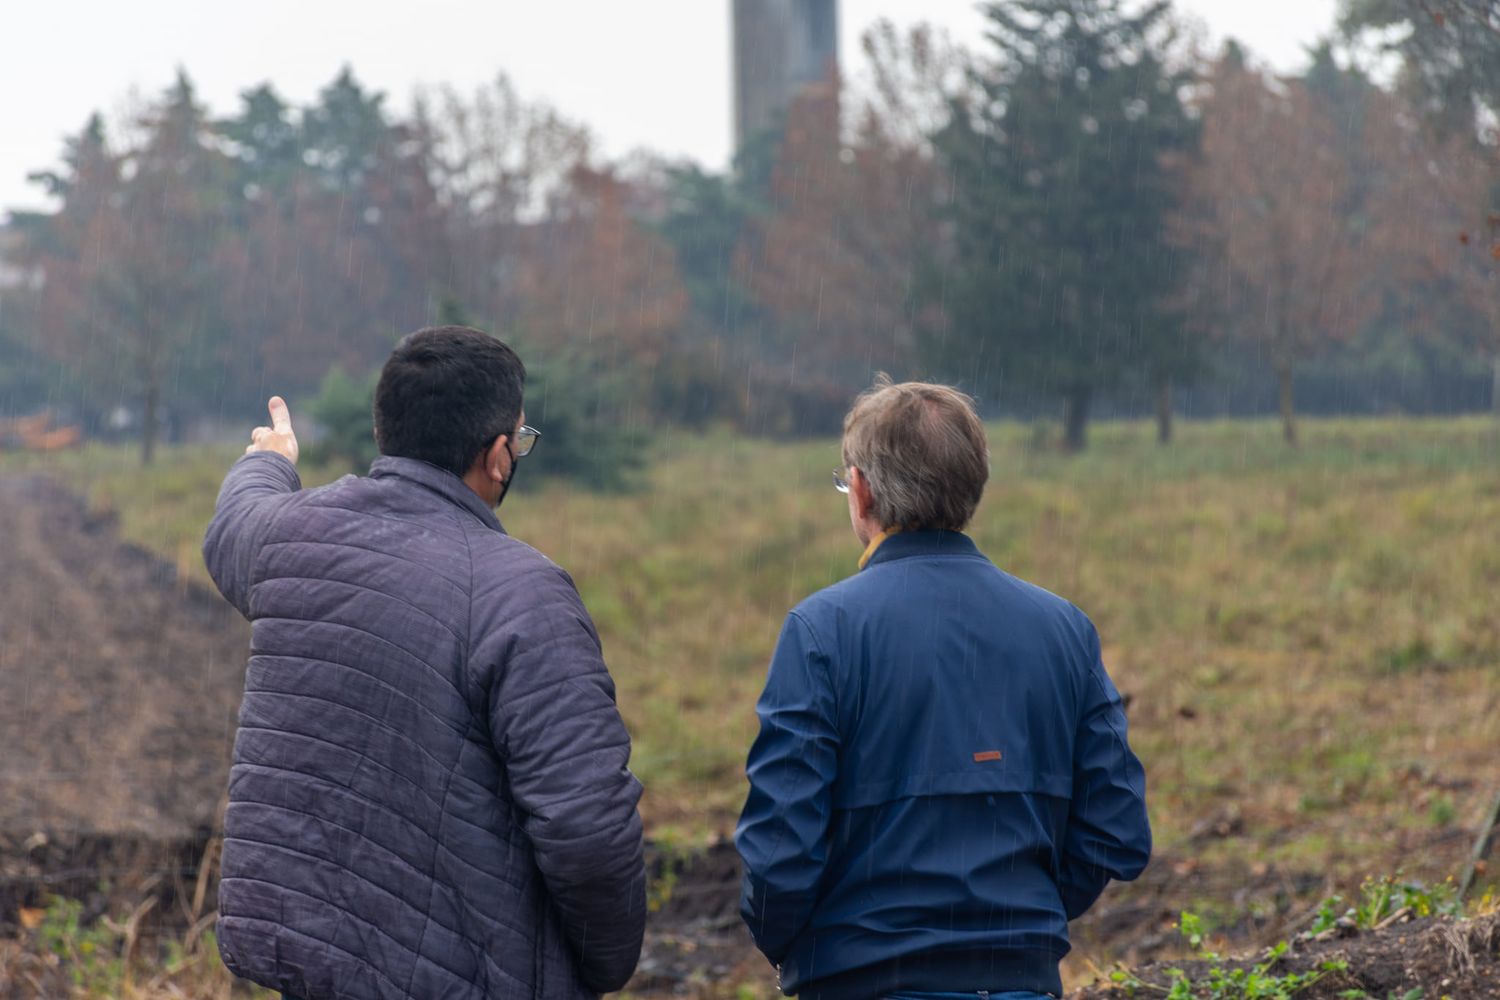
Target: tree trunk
149 422
1495 387
1288 410
1076 419
1164 411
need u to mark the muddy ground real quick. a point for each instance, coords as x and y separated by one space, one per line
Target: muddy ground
119 686
697 945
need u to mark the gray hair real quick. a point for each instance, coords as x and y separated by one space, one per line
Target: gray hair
922 449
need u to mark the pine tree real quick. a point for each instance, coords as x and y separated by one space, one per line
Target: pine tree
1057 275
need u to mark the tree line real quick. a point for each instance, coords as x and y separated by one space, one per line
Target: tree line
1087 214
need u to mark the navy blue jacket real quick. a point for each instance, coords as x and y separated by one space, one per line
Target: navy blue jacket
941 781
429 794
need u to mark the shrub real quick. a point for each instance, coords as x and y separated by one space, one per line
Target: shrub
589 434
579 407
344 412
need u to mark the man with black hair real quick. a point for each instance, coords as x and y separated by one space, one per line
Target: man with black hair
429 793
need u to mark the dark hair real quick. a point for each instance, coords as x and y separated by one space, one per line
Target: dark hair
445 394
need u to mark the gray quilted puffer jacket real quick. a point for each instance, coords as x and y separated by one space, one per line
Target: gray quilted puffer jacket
429 795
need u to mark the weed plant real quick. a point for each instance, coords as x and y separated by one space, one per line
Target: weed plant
1384 899
1223 980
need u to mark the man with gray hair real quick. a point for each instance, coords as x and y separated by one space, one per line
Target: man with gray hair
942 779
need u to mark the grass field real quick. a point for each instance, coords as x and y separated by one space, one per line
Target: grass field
1310 639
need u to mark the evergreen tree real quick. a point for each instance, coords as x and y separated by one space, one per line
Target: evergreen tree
128 299
1449 49
1057 276
344 132
267 143
158 278
705 220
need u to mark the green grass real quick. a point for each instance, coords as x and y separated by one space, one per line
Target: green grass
1301 632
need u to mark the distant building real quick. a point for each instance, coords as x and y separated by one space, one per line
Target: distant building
781 47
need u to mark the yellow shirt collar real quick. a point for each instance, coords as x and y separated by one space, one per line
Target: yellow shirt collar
875 544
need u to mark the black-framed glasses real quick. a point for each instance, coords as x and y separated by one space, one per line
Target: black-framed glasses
524 440
840 483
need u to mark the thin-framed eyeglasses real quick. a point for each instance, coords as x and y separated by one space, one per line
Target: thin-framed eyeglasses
524 440
840 482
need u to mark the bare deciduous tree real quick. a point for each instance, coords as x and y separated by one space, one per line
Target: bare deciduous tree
1269 211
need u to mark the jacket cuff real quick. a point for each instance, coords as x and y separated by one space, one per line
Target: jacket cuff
277 461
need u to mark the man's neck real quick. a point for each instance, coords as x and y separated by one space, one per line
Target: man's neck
482 485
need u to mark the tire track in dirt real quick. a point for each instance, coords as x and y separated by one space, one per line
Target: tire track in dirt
118 684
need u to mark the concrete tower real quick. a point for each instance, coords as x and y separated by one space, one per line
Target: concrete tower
780 47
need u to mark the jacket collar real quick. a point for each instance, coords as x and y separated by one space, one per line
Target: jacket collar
439 481
874 545
906 544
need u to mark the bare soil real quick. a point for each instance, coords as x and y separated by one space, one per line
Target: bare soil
119 685
697 945
119 688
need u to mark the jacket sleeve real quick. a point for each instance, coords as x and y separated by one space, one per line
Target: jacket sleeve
1108 834
554 722
783 831
257 487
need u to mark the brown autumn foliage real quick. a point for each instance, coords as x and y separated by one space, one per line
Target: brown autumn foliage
321 276
174 284
834 261
592 277
1284 261
130 260
495 160
1438 223
547 244
183 270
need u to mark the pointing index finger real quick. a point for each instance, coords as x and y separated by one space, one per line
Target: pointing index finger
281 417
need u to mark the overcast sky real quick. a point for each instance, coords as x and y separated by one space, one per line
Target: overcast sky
641 73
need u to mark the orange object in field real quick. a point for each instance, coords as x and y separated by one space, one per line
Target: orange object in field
57 439
36 433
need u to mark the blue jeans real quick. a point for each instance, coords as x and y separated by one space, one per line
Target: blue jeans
976 995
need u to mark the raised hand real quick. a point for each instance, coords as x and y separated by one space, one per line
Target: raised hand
279 437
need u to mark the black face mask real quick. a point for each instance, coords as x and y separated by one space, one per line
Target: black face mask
505 487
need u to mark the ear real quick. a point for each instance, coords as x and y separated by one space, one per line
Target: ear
496 459
859 490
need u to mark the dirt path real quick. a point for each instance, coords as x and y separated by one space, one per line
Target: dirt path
118 685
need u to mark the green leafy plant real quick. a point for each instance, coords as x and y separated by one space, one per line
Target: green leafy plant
1327 916
1224 981
90 952
1385 898
659 888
